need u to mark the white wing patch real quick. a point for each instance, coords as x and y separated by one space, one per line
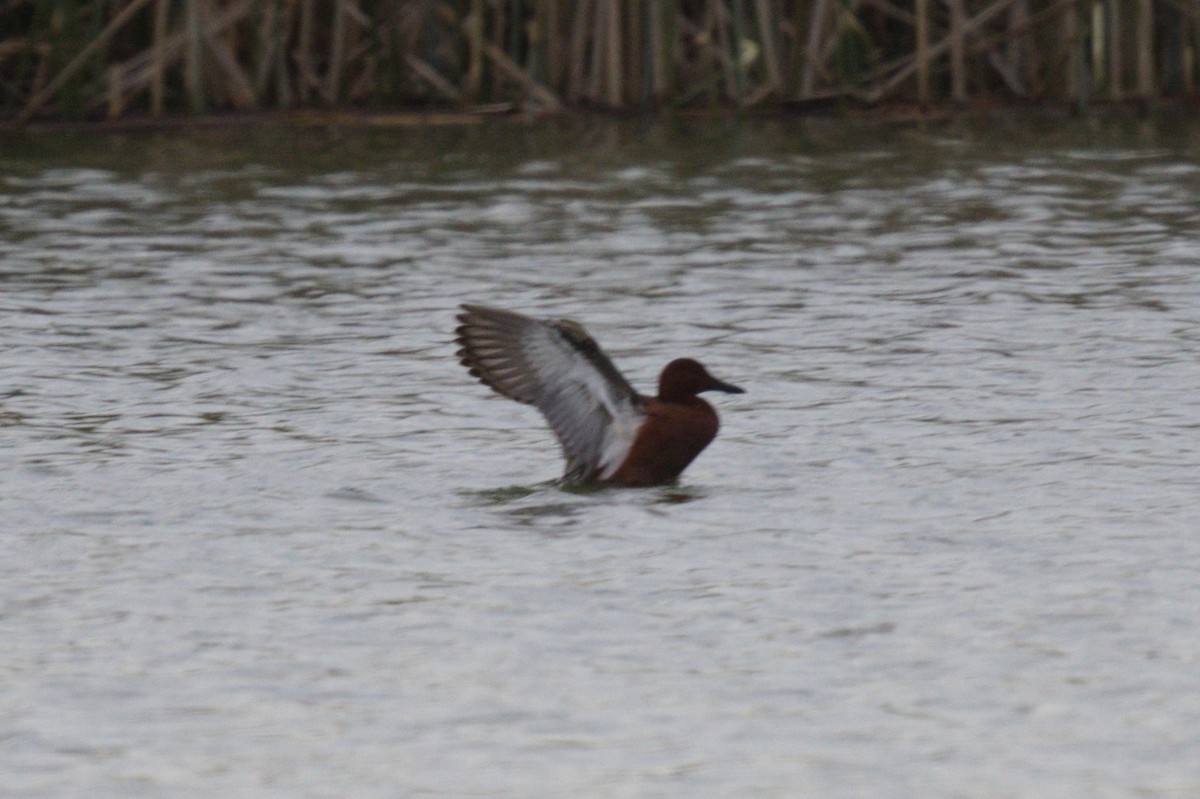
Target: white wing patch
559 369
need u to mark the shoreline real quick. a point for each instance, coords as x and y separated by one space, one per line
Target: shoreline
418 117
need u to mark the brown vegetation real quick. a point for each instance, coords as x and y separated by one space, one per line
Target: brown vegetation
114 58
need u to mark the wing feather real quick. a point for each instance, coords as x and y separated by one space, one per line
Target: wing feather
559 369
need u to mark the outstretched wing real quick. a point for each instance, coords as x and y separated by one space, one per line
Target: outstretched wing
558 368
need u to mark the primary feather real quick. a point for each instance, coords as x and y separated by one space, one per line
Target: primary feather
559 369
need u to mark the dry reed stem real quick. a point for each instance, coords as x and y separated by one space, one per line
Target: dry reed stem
766 36
911 62
1019 50
159 69
307 71
575 74
1145 50
237 85
193 64
923 55
615 53
506 65
117 22
436 80
116 104
958 69
472 25
138 71
816 25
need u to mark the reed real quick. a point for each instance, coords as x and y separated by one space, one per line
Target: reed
90 58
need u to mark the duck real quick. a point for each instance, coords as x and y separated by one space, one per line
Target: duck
609 433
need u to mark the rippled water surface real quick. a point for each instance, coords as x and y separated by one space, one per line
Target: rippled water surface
261 535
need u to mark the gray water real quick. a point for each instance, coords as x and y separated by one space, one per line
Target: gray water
261 535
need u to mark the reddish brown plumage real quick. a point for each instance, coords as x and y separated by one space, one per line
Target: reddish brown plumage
609 433
673 434
678 426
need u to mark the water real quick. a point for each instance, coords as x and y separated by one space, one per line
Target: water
260 534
